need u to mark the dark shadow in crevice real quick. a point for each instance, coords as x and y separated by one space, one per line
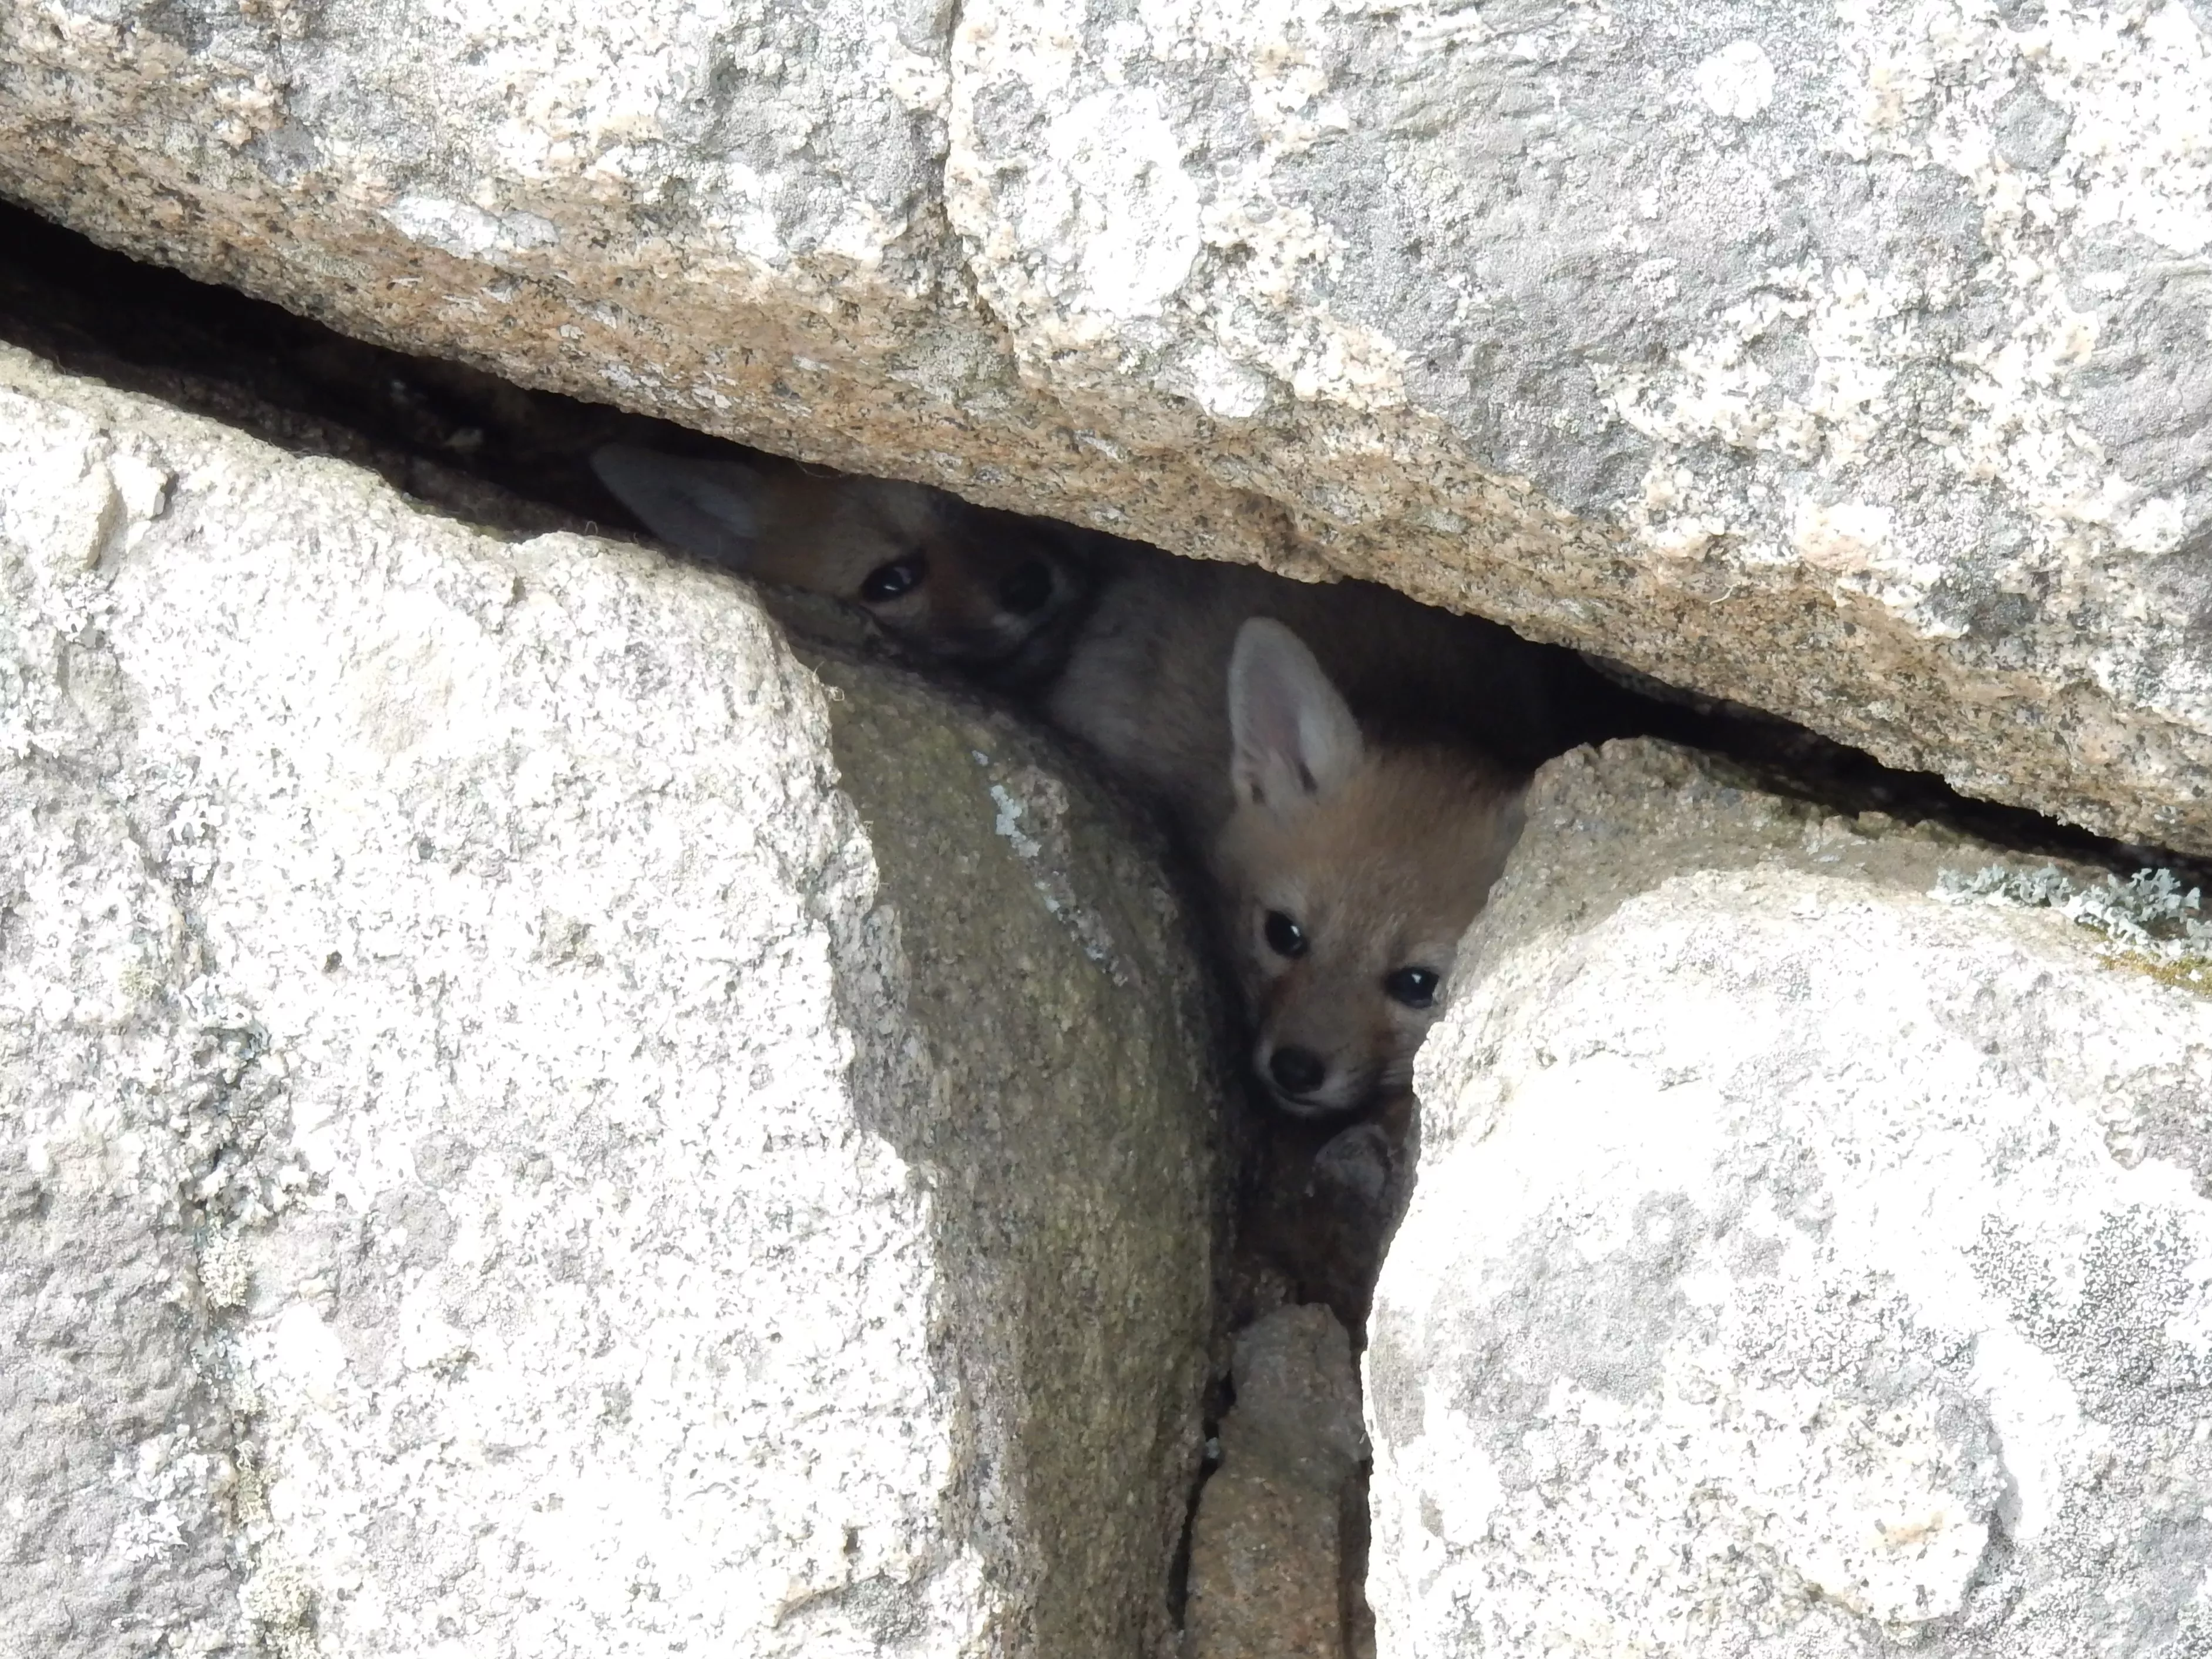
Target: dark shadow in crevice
516 461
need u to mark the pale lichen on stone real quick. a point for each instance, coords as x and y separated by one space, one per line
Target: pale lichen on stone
1033 808
2149 921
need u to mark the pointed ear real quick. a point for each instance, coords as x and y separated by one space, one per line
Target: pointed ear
711 508
1292 739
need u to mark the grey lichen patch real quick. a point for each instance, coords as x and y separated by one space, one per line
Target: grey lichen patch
280 1602
1032 820
225 1270
2149 923
239 1168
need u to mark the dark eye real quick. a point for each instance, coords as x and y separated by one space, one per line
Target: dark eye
889 581
1414 987
1284 937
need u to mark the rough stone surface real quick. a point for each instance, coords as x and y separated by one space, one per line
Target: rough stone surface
1267 1544
1845 359
534 1125
1801 1263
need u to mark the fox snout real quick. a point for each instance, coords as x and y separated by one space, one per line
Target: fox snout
983 592
1307 1083
1338 1015
1296 1071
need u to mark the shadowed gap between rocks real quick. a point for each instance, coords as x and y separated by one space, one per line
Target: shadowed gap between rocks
513 459
1315 1200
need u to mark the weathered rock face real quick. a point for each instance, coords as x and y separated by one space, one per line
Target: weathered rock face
533 1126
1267 1543
1843 359
1802 1263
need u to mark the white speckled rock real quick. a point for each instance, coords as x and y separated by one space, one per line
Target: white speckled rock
532 1128
1845 359
1801 1263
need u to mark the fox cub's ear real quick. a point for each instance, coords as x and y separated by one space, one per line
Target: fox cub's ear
1293 740
708 507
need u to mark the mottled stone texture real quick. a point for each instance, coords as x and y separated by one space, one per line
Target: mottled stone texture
1847 359
1267 1568
532 1125
1801 1263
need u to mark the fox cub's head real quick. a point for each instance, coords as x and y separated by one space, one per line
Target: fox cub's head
1349 872
950 581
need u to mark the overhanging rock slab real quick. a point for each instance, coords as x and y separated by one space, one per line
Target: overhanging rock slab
1844 360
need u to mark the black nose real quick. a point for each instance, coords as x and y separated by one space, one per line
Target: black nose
1029 590
1297 1071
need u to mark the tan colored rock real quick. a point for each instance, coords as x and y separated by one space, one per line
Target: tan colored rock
1267 1547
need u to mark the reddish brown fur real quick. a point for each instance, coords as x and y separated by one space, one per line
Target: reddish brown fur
1147 683
990 591
1386 872
828 533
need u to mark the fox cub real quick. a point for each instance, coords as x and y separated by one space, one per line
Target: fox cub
1353 782
1347 762
991 593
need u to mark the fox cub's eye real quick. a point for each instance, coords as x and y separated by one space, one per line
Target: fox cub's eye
889 581
1284 937
1414 987
1029 590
